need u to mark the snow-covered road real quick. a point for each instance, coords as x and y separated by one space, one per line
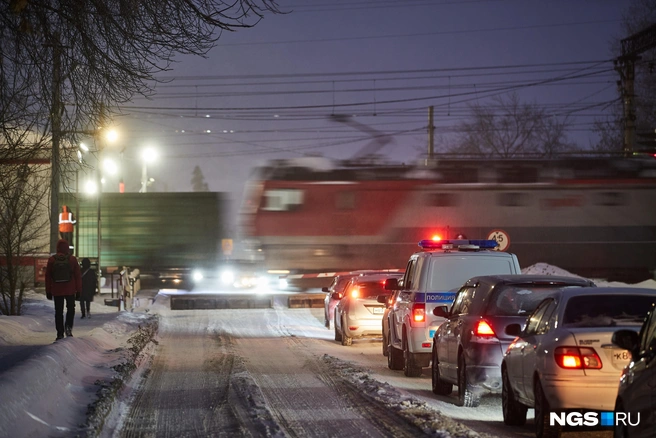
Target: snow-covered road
258 372
279 372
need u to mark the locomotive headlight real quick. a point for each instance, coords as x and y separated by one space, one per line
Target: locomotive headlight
197 275
227 276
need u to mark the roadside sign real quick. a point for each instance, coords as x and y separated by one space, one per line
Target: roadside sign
501 237
226 246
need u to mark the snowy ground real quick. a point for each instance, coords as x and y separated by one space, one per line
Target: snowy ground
48 389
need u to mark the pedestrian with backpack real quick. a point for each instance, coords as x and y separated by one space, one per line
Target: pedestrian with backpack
89 282
63 283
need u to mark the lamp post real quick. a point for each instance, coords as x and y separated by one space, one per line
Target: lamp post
148 155
110 136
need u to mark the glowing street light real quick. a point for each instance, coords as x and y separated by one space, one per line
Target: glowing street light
111 135
148 155
110 166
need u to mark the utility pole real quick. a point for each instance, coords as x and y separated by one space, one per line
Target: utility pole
431 135
55 119
625 66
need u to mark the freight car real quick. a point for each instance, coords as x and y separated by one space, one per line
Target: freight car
165 235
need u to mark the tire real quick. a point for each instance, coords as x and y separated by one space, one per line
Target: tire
410 367
347 341
338 334
394 358
385 345
439 387
466 397
514 413
542 428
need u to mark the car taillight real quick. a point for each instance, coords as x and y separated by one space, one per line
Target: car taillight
355 292
483 328
577 358
419 312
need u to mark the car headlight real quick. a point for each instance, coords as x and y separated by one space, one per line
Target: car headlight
227 277
282 283
197 275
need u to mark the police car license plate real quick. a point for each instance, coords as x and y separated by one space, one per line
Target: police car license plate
378 310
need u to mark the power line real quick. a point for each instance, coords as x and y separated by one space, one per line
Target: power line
422 34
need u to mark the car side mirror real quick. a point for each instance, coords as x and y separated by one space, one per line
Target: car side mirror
382 299
325 289
628 340
441 311
392 284
513 329
336 296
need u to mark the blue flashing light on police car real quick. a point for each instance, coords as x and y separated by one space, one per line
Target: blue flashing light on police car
428 244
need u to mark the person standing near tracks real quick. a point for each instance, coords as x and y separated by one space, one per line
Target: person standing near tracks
66 223
88 288
63 283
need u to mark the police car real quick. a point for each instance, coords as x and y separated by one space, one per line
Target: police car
432 277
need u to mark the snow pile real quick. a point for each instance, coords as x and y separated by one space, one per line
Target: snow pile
53 389
547 269
414 411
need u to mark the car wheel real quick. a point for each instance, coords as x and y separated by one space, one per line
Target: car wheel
542 428
439 387
466 396
385 345
338 334
514 413
410 367
394 358
346 340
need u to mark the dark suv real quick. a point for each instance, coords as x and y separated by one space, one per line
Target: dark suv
638 380
468 347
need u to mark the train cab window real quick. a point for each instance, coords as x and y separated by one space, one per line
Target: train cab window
512 199
444 200
610 199
345 201
282 199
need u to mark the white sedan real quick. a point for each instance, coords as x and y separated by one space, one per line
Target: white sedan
564 360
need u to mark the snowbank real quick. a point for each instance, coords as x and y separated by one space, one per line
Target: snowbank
546 269
48 389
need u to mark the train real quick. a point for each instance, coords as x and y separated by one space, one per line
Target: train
593 216
167 236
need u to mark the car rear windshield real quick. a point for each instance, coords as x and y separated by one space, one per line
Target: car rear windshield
516 300
606 310
371 289
448 273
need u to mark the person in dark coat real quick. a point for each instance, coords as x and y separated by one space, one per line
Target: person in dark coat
88 288
63 291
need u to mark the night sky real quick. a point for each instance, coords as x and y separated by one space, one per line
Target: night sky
268 92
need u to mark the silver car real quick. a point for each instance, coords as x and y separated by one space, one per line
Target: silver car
359 314
564 360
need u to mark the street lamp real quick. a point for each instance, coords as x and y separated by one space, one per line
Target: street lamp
109 136
149 156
